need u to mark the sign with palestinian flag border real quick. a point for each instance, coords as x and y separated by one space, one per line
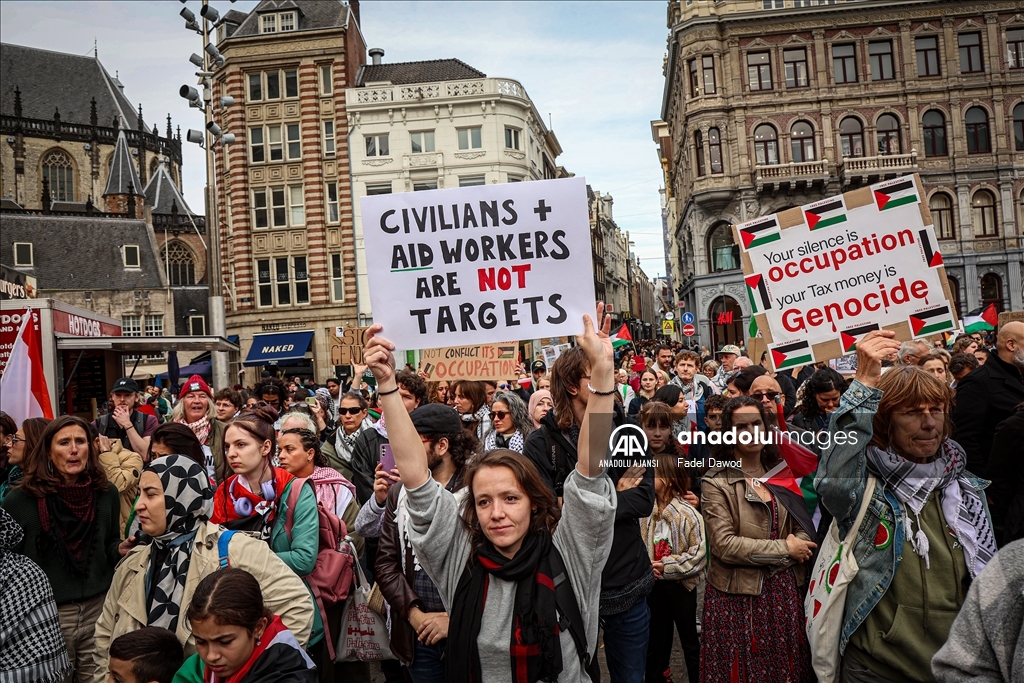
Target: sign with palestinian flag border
821 276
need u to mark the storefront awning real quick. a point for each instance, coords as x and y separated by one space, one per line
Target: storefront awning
278 347
146 344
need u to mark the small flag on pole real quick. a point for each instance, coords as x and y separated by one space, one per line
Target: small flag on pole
622 337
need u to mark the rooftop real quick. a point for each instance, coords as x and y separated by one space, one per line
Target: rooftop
161 193
311 15
403 73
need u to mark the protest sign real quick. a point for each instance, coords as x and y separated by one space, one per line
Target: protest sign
347 345
475 361
821 276
477 265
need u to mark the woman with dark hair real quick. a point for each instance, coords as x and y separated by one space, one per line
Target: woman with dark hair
239 640
70 516
492 564
23 442
174 438
512 423
8 428
821 394
471 402
437 392
674 397
648 387
753 619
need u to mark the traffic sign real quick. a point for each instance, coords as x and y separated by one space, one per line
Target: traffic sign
670 316
667 327
687 318
689 330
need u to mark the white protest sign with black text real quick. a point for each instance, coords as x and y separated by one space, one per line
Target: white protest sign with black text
477 265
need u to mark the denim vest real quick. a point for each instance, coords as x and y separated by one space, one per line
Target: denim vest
840 483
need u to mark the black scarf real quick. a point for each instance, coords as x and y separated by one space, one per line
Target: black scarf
68 521
534 649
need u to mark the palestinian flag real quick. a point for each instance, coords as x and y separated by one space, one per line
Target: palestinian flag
938 319
782 482
791 355
758 293
506 352
752 331
825 213
932 256
896 193
849 338
760 232
981 320
622 337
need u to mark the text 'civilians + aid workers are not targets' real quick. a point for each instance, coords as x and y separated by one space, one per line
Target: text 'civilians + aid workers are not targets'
478 265
821 276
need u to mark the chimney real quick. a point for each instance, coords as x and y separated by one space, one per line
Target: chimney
376 53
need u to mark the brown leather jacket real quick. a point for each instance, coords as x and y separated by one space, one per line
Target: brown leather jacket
738 525
396 586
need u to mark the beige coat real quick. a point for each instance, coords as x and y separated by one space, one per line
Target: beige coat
124 609
123 468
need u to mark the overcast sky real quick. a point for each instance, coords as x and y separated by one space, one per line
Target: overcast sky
595 67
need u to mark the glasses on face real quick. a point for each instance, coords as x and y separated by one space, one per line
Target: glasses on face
350 411
761 396
500 414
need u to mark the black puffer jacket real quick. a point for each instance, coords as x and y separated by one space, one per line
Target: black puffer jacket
1006 470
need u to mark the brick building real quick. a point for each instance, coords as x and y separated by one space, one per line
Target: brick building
771 104
283 190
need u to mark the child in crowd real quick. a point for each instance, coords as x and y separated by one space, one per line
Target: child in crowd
148 655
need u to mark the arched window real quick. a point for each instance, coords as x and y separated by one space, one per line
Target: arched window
802 142
726 322
983 214
942 216
766 145
181 264
60 174
698 143
992 291
954 291
934 124
851 135
888 134
715 149
1018 127
978 141
723 252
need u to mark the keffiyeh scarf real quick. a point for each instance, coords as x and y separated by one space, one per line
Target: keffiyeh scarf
961 505
201 428
514 442
188 498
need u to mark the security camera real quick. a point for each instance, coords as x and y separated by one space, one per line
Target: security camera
187 14
213 128
189 93
193 26
197 60
219 59
211 49
227 101
227 138
209 13
195 136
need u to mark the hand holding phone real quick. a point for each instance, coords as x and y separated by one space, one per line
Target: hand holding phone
387 458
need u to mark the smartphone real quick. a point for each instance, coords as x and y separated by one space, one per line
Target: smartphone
387 458
428 368
310 401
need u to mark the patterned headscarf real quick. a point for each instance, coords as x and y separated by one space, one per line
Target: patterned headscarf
189 500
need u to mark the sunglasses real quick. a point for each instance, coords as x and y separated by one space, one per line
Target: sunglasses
771 395
500 414
350 411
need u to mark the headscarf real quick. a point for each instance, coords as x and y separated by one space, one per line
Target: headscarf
188 497
535 398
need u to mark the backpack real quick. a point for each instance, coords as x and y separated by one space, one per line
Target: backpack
332 575
571 618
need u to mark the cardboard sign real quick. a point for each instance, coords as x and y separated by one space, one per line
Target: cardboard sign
478 265
821 276
347 345
476 361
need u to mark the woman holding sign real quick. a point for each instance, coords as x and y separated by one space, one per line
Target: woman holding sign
497 560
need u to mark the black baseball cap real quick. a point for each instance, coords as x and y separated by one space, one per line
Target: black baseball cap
436 418
125 384
538 366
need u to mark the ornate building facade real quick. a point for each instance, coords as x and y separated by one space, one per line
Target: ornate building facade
771 104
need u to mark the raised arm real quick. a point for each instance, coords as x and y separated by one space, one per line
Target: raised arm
597 420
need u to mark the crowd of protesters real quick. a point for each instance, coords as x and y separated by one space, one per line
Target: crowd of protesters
212 535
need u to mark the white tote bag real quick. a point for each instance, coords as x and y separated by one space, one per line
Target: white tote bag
826 595
364 633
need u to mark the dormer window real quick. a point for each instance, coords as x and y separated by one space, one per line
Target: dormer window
286 21
274 23
130 252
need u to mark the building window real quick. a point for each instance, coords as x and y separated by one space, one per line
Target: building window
801 138
942 215
294 142
273 79
131 326
255 87
691 67
424 185
378 189
326 80
1018 127
708 74
927 56
851 136
264 286
291 83
268 23
954 291
422 141
471 181
888 134
282 284
470 138
759 70
698 144
512 138
276 147
992 291
515 179
934 125
296 206
181 265
332 203
154 327
260 217
377 146
881 60
723 252
130 253
60 173
23 254
272 23
978 141
197 325
795 61
715 150
983 214
970 53
277 207
301 273
766 145
1015 48
773 4
256 150
844 63
329 138
285 202
286 21
337 279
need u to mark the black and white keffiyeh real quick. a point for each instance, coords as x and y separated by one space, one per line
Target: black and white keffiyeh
189 500
961 506
515 442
